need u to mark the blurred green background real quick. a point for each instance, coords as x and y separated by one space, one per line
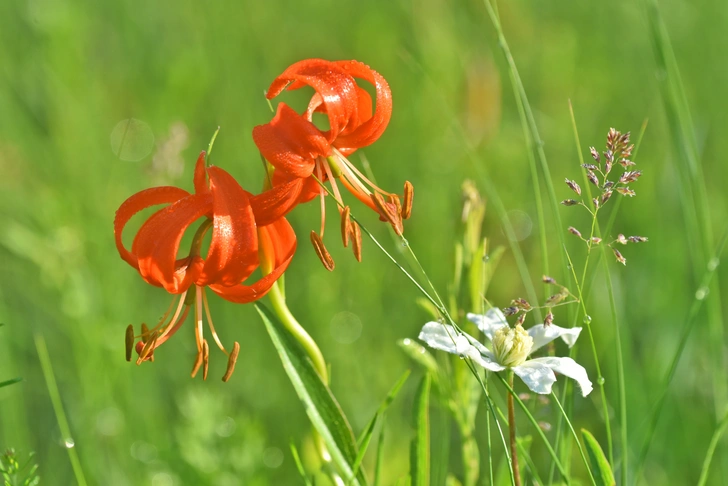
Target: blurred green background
72 70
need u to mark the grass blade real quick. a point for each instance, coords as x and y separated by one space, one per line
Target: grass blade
10 382
299 464
598 460
50 379
366 436
711 449
321 407
420 449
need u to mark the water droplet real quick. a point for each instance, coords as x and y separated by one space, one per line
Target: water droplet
600 380
569 266
461 356
587 319
702 293
405 243
713 264
406 341
69 443
486 258
422 350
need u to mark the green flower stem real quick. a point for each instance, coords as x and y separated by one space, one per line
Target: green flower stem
297 331
512 433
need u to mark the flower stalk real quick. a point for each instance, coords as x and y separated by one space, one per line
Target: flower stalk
512 433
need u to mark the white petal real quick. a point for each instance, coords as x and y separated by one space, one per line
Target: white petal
439 336
490 322
543 335
446 338
538 377
568 367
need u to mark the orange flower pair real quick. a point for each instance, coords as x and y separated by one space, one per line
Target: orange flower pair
250 231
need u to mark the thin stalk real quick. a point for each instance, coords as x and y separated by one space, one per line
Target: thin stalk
490 446
690 322
536 427
576 438
512 432
52 386
711 449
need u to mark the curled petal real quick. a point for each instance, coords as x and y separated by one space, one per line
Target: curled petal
200 177
490 322
290 142
158 240
233 253
369 129
335 86
543 335
282 240
537 376
139 202
567 367
447 338
276 202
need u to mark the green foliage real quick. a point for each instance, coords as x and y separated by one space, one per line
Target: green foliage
597 460
16 474
420 447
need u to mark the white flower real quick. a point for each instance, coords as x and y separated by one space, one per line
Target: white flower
511 348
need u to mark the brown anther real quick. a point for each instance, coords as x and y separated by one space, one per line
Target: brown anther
394 201
548 320
569 202
619 257
509 311
145 333
205 358
595 240
322 252
231 362
345 225
129 341
388 212
198 363
409 195
147 349
548 280
356 241
521 319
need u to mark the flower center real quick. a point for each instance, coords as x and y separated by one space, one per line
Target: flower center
512 345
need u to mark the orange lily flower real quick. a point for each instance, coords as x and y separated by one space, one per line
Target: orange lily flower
297 149
237 247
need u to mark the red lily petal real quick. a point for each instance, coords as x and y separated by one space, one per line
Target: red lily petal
158 240
335 86
200 179
233 253
370 130
290 142
283 243
276 202
139 202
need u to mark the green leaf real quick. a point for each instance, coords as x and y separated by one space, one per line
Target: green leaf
420 448
599 464
322 408
10 382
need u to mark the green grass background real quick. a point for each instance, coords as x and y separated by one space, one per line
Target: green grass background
71 70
